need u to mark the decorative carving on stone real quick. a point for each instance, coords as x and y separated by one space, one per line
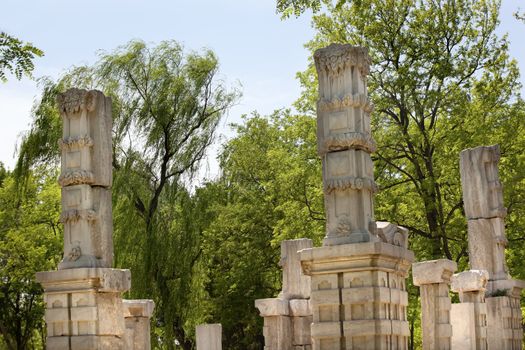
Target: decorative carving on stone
350 100
74 215
76 100
76 142
392 234
357 140
349 182
337 59
74 254
76 177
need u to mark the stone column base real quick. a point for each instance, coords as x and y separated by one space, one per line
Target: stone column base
359 297
84 308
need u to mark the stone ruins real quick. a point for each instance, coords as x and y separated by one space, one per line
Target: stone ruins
350 293
84 306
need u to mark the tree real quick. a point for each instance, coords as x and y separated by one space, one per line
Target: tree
269 190
30 241
16 57
166 107
441 81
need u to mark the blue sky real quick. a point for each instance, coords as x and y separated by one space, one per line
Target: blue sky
255 48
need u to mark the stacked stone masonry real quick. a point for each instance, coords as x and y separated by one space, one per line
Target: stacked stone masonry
469 317
485 212
137 315
433 279
288 317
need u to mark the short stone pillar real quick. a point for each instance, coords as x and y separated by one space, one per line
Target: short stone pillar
83 298
287 318
433 279
137 315
209 336
469 317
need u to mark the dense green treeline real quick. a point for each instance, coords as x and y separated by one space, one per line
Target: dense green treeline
441 81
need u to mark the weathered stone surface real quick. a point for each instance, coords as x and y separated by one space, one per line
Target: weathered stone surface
278 333
300 307
86 144
345 143
272 307
209 336
358 295
433 278
482 190
137 314
433 271
463 321
296 285
301 330
469 281
83 298
392 234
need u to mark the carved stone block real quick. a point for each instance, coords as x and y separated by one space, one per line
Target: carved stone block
86 144
296 285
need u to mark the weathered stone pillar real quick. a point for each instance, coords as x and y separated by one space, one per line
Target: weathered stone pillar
469 317
433 279
137 314
209 336
83 298
358 296
485 212
287 318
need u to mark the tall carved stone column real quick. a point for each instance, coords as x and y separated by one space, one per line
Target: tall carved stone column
287 318
83 298
485 212
469 317
433 279
358 296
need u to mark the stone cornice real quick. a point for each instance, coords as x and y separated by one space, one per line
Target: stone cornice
73 215
335 58
71 143
347 140
76 177
349 182
73 101
356 100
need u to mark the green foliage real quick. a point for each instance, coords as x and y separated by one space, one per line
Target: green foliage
30 241
270 190
16 57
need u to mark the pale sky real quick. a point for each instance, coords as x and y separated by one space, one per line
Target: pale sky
255 48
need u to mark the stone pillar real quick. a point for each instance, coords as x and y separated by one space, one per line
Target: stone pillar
209 336
83 298
137 314
359 297
433 279
469 317
287 318
485 212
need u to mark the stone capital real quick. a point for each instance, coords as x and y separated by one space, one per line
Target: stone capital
433 271
335 58
272 307
469 281
508 287
138 307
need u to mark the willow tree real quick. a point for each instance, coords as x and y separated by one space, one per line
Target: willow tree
441 80
166 108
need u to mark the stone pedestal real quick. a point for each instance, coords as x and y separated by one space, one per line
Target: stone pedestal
209 336
469 317
504 317
137 314
287 318
359 296
84 308
433 279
